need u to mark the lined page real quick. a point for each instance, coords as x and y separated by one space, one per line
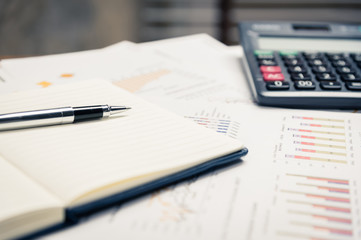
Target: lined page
82 161
24 205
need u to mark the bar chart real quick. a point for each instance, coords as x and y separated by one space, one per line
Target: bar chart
316 192
314 141
315 207
217 121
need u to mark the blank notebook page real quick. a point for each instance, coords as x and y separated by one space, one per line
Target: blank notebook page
77 162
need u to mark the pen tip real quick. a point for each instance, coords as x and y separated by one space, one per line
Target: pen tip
118 109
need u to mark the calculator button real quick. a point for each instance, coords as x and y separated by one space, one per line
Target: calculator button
335 56
326 77
356 57
270 69
277 85
267 62
289 53
321 69
305 85
341 63
316 62
273 76
342 70
297 69
313 55
263 54
300 76
265 57
350 77
293 62
353 85
330 85
290 57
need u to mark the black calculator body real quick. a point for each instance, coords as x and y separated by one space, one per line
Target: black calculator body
303 65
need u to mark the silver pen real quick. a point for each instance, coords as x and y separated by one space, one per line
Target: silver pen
56 116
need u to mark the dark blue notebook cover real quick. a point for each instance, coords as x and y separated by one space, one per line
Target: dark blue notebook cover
73 215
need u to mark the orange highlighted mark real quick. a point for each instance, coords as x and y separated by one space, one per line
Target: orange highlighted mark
44 84
67 75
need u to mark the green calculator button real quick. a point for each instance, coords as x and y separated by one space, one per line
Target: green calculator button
263 52
288 53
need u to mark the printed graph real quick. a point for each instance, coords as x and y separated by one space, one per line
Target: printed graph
314 207
170 82
186 211
319 118
314 140
174 209
137 82
217 121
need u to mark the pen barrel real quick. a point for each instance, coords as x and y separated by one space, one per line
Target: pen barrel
36 118
90 112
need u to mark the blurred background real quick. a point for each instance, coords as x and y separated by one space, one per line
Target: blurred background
40 27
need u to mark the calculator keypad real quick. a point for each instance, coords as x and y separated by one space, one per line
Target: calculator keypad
353 85
270 69
330 85
305 85
326 77
278 85
351 77
302 71
273 77
300 76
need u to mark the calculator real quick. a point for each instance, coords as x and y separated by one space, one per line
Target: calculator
303 65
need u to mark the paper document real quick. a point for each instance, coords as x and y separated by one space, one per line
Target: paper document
301 176
300 179
290 183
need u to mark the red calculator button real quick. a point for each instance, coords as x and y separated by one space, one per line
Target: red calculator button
273 77
270 69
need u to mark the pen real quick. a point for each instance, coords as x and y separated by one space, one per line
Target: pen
56 116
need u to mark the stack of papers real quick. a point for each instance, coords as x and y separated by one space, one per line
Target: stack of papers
300 179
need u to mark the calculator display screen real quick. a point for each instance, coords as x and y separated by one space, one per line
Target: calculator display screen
309 44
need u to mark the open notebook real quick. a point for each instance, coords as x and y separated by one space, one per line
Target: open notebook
51 176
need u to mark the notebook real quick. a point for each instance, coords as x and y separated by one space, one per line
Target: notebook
53 176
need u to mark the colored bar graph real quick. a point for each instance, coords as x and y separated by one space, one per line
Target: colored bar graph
319 138
301 236
323 179
323 206
300 157
324 197
330 189
315 206
318 119
320 151
316 131
322 125
332 230
324 217
319 145
223 126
